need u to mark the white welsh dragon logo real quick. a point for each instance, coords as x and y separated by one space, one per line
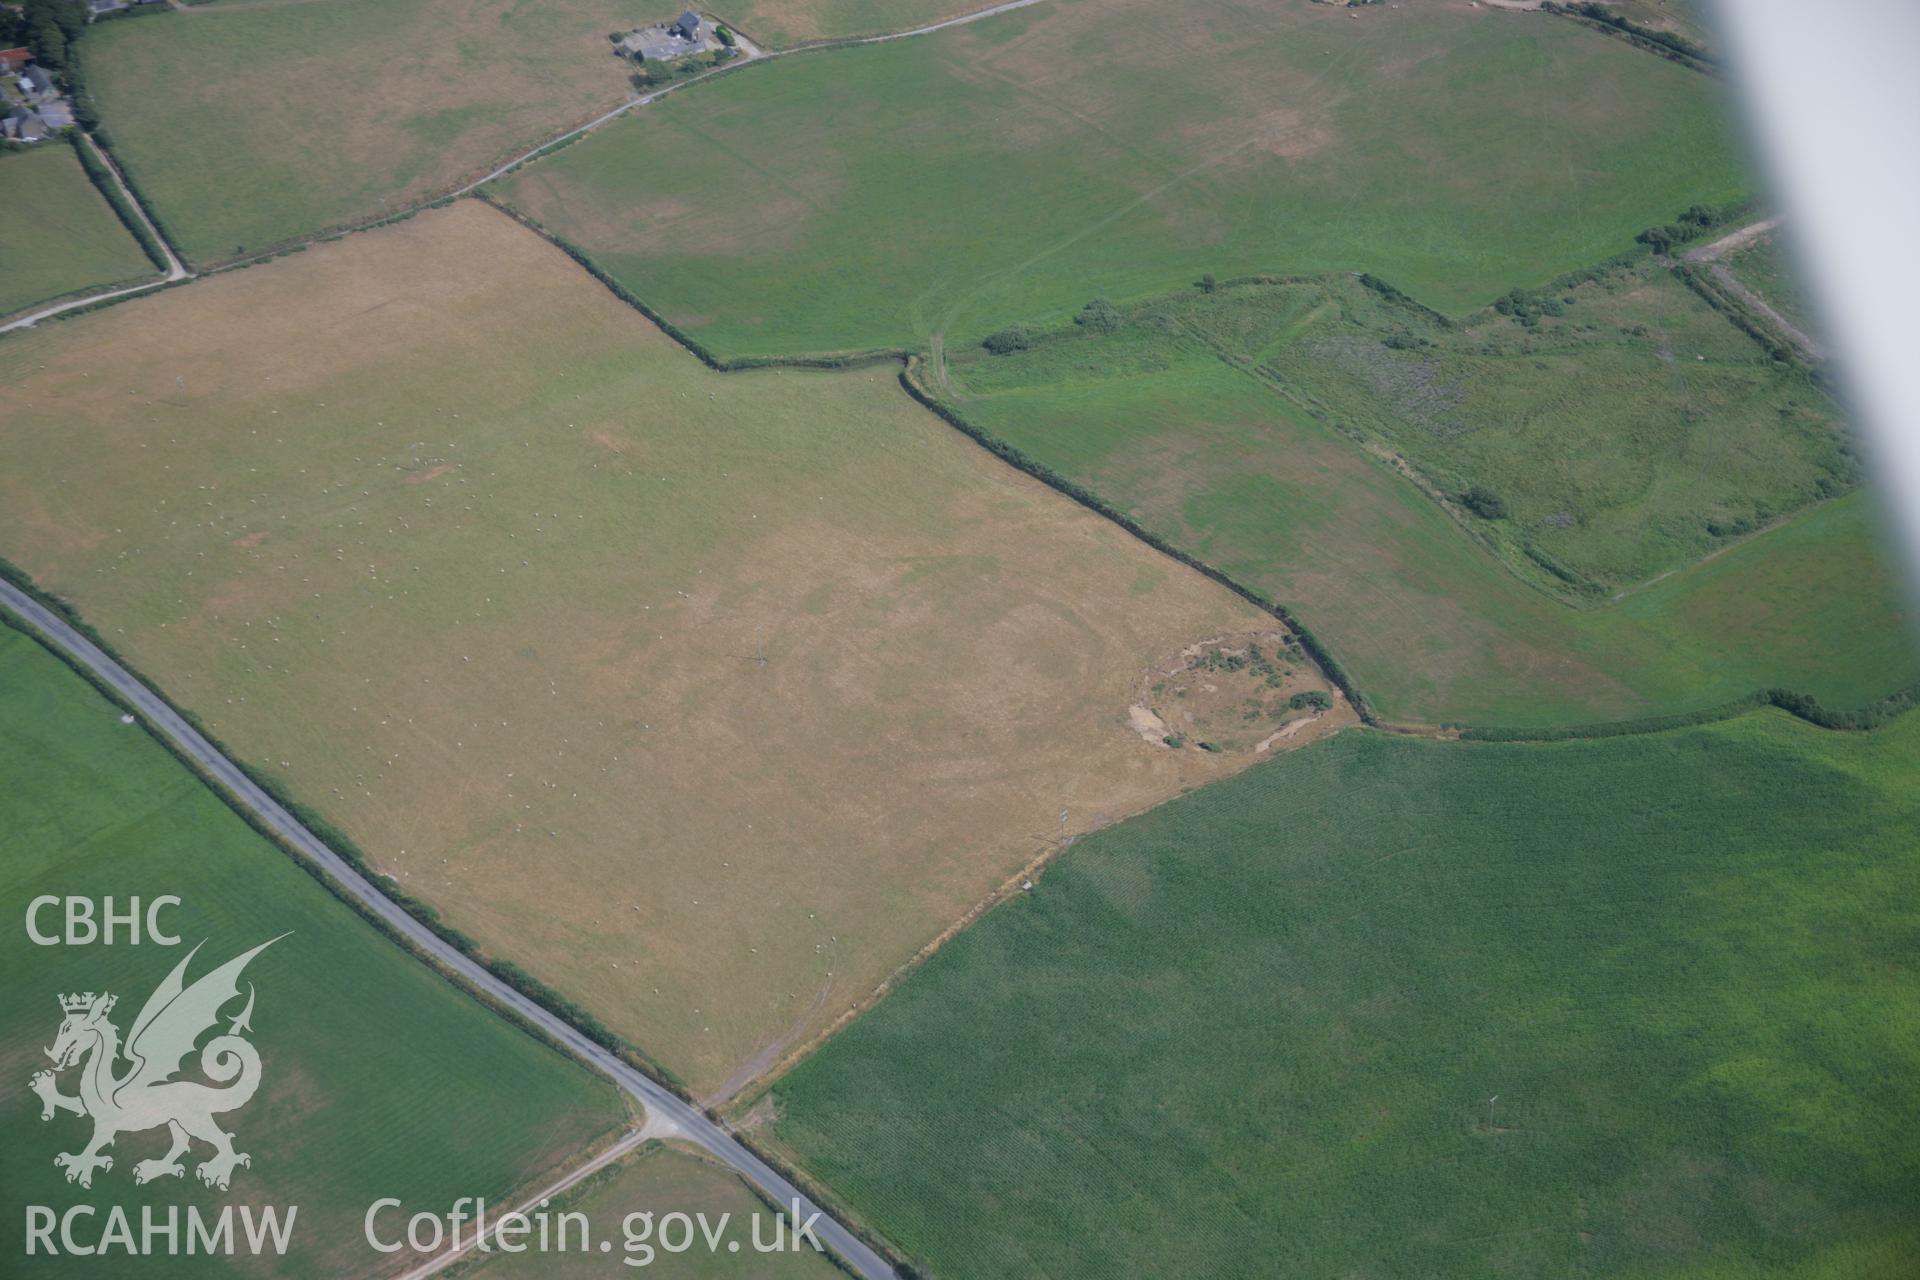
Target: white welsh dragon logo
146 1096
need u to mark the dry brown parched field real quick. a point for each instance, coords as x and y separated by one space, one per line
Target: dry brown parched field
709 698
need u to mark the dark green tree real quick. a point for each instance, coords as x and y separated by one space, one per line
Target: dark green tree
1484 502
1099 314
1008 340
69 15
47 41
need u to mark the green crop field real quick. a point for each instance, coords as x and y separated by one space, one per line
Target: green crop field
780 24
378 1077
709 698
1392 1007
58 236
1011 168
1212 419
657 1182
307 116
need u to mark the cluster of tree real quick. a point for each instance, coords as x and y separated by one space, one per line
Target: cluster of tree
1004 342
658 73
1739 525
1527 305
1099 314
47 27
1694 223
1317 699
1484 503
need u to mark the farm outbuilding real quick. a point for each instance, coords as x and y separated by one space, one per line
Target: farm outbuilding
23 126
666 41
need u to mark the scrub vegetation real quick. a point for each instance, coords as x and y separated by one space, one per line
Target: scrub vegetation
1596 503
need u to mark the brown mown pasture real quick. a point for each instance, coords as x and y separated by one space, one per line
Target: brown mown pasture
708 698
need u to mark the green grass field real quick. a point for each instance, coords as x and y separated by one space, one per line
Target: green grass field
1197 416
57 235
1763 267
1012 168
378 1077
307 116
659 1181
1633 431
780 24
1256 1032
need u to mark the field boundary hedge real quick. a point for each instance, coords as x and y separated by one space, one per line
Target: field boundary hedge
340 843
109 190
1675 49
1742 317
1803 706
719 364
93 297
381 925
97 132
1093 502
349 852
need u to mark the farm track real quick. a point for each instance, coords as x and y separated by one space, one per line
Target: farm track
662 1105
632 1142
750 53
176 270
1710 257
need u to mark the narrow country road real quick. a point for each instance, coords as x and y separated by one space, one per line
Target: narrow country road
693 1125
1732 240
573 1178
749 52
